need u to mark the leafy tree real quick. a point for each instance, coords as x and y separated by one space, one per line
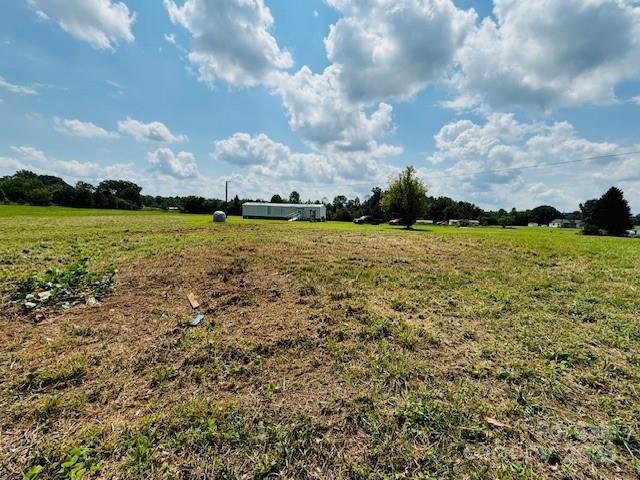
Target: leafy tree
236 206
277 199
505 220
84 193
444 208
405 197
339 202
372 206
294 197
3 197
636 220
544 214
40 196
118 194
612 212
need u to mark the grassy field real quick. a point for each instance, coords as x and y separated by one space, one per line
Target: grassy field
327 351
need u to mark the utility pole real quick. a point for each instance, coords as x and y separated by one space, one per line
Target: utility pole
226 196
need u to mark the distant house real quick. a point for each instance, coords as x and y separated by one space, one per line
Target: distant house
173 209
285 211
533 224
635 231
562 223
424 222
464 223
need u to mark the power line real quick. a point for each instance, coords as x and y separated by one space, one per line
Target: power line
506 169
539 165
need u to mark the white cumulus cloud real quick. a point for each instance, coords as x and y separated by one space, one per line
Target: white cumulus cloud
154 131
394 48
547 53
81 129
179 165
324 118
231 40
36 160
101 23
263 157
502 162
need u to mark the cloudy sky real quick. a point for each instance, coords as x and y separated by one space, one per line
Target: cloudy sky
327 96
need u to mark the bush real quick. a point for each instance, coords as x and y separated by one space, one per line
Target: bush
590 229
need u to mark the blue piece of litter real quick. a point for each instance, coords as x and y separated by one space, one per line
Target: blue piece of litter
196 321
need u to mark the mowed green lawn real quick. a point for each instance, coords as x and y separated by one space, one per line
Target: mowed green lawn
327 351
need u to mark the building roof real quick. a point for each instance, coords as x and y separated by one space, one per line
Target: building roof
294 205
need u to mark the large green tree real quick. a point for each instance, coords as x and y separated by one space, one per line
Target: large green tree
610 213
294 197
544 214
406 197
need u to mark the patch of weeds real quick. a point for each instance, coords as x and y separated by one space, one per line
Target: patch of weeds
526 401
46 412
237 267
72 283
477 370
33 473
307 289
242 299
269 389
517 373
430 338
438 424
203 434
341 295
571 357
76 464
138 446
600 454
161 375
79 331
469 334
297 345
487 353
395 369
626 436
376 327
52 377
549 455
403 306
514 469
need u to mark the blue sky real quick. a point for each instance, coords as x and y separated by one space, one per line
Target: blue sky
326 96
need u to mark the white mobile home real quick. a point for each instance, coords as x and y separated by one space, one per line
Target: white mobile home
562 223
285 211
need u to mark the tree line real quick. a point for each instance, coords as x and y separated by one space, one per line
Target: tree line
26 187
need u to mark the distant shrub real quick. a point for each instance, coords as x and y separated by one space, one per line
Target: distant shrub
590 229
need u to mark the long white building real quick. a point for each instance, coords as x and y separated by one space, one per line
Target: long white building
285 211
